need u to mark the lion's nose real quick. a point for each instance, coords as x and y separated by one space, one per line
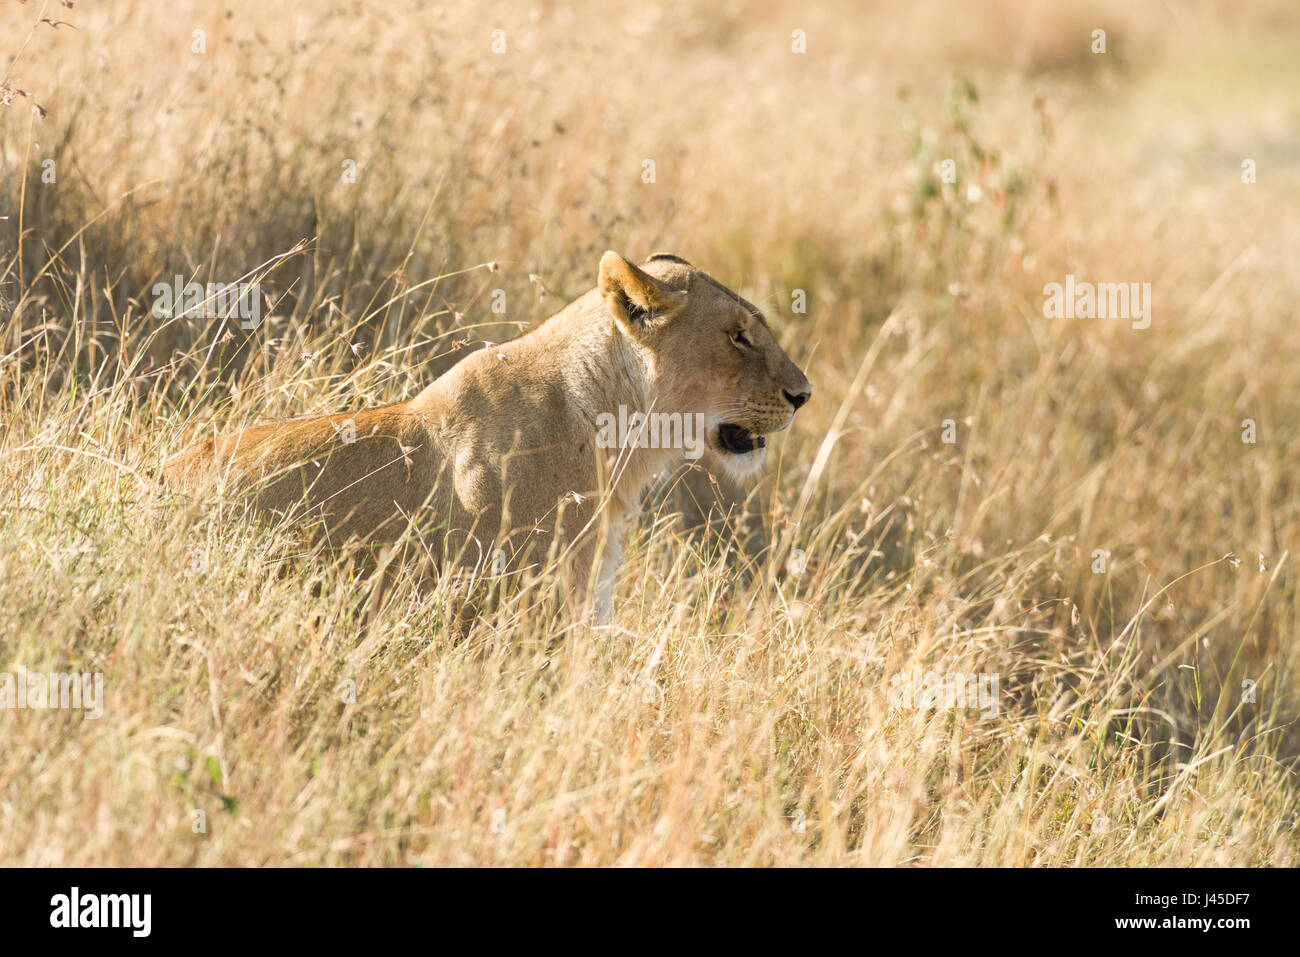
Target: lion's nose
797 399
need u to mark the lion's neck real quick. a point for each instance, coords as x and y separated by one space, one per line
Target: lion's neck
609 375
605 370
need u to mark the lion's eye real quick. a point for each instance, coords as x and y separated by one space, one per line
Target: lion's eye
740 339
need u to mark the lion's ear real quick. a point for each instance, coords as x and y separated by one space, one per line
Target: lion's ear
666 257
634 296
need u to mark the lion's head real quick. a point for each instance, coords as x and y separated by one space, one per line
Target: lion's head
710 352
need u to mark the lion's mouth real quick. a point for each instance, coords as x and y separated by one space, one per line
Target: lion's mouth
739 441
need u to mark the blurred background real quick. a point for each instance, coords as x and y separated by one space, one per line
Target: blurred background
916 173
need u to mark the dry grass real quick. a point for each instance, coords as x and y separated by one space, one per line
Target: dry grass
737 713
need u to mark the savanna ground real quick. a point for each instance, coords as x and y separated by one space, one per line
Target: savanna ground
1100 533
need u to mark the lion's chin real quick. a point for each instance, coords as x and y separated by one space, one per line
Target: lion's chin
742 466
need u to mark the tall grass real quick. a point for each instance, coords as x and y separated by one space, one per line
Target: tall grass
1098 534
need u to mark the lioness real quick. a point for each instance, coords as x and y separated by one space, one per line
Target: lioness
511 447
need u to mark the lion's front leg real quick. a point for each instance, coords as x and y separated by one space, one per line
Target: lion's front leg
606 574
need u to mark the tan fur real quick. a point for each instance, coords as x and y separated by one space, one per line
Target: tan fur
501 452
